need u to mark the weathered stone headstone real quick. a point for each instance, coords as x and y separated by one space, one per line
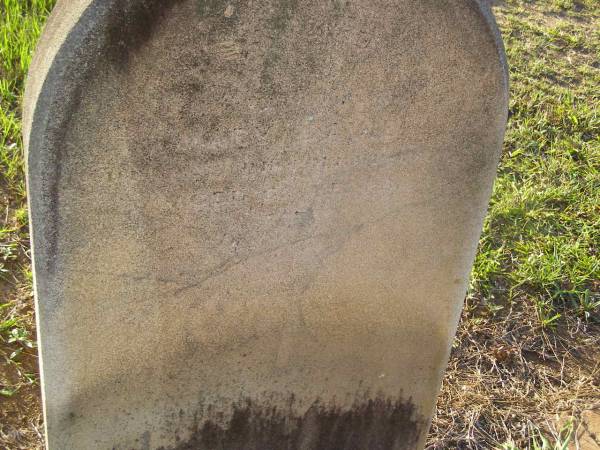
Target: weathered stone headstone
253 221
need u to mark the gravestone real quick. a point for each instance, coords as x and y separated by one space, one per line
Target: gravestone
253 221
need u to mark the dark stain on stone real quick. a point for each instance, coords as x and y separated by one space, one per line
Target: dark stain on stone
285 9
146 441
130 24
211 7
277 23
107 31
374 424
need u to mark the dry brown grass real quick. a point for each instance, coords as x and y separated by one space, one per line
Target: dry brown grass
507 376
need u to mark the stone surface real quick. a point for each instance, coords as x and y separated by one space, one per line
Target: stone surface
586 429
253 221
587 434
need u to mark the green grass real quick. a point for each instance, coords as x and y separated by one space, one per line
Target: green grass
20 25
559 441
541 236
539 249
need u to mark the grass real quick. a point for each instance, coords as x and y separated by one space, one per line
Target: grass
539 441
527 349
541 235
20 418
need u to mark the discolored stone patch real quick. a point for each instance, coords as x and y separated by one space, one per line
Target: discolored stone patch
376 424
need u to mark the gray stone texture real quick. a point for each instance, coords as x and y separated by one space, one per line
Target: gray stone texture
253 221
